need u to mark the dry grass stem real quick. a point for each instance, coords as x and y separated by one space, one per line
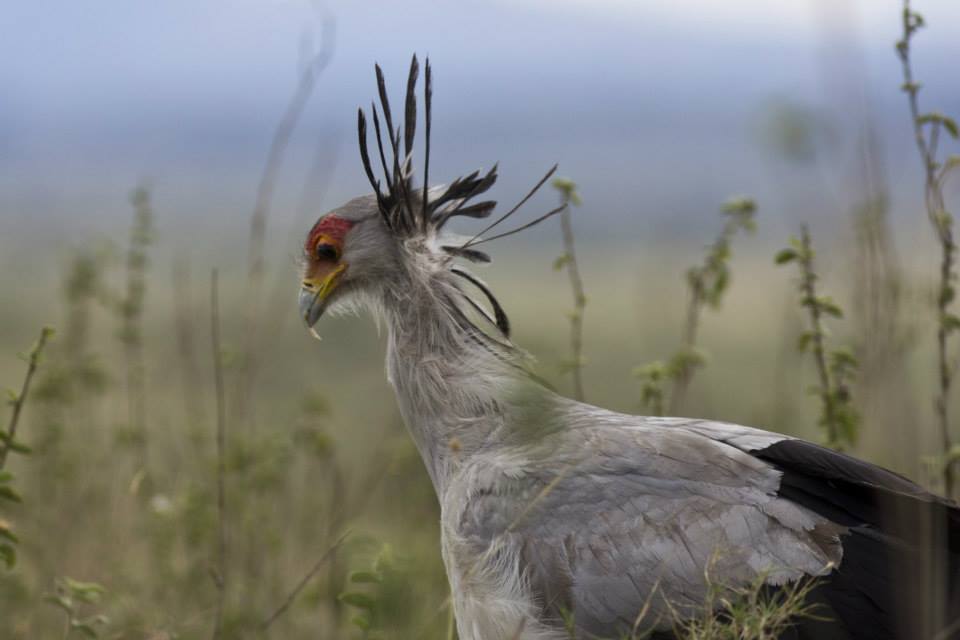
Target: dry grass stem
220 576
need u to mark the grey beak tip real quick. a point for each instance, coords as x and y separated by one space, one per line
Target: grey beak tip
310 308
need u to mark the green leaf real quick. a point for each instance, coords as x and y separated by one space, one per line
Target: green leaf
561 262
947 295
950 322
357 599
16 447
88 592
61 601
785 255
951 126
5 476
8 554
365 577
568 189
739 205
804 340
361 622
19 447
953 455
7 493
946 122
843 358
829 307
5 532
911 87
652 371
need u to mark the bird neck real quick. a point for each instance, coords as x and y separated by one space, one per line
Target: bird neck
450 385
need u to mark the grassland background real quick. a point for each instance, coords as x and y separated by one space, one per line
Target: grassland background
323 449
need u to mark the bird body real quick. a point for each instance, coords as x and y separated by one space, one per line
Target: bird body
559 518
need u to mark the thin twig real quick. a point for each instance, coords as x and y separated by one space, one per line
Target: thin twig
184 325
579 303
278 146
131 318
33 361
943 226
568 196
220 578
265 625
306 82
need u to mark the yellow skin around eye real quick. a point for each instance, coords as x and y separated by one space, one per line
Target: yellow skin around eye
322 276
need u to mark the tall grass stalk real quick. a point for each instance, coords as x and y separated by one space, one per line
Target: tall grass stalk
220 574
312 66
183 320
130 312
568 261
927 130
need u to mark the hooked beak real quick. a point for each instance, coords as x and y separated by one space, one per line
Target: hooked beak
315 292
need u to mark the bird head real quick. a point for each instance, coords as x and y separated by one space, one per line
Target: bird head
361 248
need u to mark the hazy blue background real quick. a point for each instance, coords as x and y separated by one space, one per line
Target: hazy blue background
658 109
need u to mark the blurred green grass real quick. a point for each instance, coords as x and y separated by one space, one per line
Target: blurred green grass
325 449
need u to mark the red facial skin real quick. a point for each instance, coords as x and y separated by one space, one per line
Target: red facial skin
331 228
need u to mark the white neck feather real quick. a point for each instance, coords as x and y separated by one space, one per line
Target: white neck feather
450 387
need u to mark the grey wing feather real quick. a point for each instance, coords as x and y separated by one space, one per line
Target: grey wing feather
629 512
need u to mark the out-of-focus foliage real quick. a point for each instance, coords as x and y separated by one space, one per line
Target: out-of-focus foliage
706 284
836 368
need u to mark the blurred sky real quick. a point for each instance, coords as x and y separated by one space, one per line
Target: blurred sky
657 108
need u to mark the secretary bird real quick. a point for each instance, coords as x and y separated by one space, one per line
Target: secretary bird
560 519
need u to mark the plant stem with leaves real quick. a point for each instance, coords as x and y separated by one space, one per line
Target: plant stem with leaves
8 443
17 400
835 369
706 284
69 596
131 317
927 128
568 260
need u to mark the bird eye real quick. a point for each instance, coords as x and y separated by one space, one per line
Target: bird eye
327 251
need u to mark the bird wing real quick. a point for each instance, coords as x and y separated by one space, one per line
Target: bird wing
616 514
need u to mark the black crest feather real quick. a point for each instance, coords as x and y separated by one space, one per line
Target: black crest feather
407 211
